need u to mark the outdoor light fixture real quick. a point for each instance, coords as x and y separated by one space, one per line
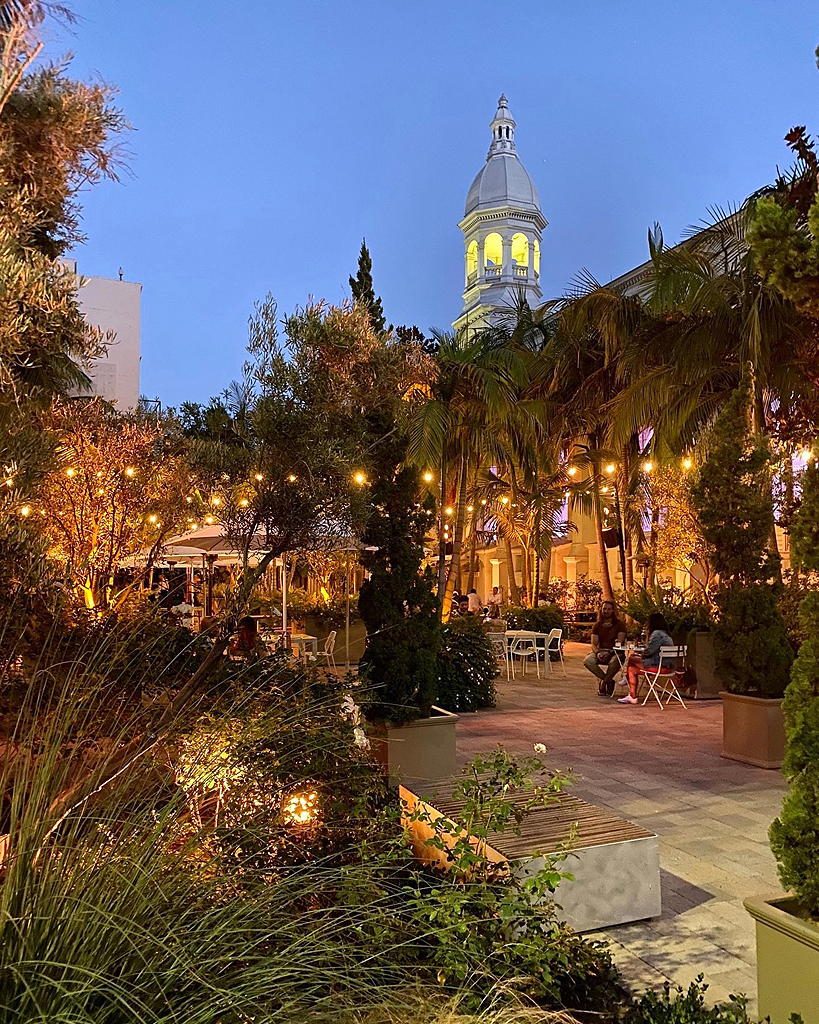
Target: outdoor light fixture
428 477
25 511
292 478
243 503
687 462
301 808
359 477
448 511
258 477
610 468
572 470
70 472
504 500
130 472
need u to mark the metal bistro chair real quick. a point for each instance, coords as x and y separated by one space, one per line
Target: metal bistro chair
329 649
500 647
524 647
662 679
554 645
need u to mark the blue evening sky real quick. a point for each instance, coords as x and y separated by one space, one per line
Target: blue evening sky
271 135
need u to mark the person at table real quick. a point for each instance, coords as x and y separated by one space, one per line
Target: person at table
494 602
649 658
606 632
247 643
474 605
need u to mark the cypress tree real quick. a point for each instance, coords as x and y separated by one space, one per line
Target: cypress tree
795 833
362 288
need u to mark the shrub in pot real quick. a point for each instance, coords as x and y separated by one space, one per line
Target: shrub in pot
467 667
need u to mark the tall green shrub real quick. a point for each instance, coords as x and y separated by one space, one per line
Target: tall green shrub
467 667
397 604
732 498
795 833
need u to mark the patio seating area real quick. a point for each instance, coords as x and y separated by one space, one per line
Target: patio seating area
661 769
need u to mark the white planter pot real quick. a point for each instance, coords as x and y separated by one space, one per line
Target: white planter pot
421 750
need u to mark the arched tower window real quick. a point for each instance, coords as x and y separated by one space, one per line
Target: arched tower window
493 251
471 259
520 249
536 256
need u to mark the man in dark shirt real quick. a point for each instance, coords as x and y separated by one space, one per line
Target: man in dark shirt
608 630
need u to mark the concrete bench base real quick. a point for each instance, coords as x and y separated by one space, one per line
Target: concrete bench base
615 863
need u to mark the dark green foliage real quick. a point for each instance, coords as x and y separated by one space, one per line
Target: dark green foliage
752 650
795 588
397 604
795 834
733 500
467 667
732 497
541 620
676 1006
681 614
363 291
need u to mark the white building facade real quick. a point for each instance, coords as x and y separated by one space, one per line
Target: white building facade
114 307
503 228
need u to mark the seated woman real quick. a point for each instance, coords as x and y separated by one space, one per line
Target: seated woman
657 633
606 632
247 643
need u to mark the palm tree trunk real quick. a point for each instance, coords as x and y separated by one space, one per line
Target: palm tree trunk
605 575
457 539
514 589
473 551
441 538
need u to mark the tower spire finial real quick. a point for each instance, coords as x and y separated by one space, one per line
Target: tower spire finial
503 129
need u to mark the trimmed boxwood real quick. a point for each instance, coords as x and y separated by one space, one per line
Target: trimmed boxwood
540 619
467 667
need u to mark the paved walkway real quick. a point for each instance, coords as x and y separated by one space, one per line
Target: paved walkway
661 769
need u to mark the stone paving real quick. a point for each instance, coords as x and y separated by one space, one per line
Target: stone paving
663 770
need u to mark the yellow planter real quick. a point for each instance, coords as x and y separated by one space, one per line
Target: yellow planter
787 960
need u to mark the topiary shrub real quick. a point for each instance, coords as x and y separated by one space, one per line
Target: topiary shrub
732 497
540 620
467 667
795 833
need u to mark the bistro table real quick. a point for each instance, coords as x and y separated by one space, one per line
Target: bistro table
513 635
299 640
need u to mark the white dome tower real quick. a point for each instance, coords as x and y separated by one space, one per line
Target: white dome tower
502 229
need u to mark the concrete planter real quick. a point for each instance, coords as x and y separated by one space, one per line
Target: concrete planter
418 751
787 960
753 730
701 660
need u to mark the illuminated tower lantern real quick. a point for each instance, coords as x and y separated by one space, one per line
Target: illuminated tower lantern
502 228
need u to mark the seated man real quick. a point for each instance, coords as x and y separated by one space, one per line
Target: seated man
602 662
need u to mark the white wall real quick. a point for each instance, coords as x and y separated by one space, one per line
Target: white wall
113 305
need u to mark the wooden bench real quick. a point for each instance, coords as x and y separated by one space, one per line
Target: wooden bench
615 863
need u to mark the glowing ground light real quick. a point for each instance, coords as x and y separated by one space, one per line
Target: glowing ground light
359 477
301 808
292 478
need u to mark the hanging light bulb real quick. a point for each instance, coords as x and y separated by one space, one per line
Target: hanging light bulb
428 476
572 470
687 463
648 466
292 478
258 477
359 478
70 472
25 511
609 468
243 502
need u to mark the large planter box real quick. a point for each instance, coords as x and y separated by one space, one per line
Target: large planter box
753 730
787 961
702 661
419 751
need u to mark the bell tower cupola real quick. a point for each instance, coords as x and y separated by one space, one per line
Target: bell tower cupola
502 228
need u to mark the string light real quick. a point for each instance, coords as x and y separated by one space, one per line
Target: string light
449 510
610 468
258 477
428 476
804 455
648 466
9 481
70 472
210 520
359 477
572 470
216 501
292 478
470 508
189 500
504 500
25 511
100 492
483 501
153 518
604 489
687 463
130 472
243 502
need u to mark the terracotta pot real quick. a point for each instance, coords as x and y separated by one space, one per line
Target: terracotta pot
753 730
787 960
417 751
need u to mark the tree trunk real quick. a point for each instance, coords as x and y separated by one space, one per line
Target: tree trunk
457 541
514 589
605 576
473 551
441 539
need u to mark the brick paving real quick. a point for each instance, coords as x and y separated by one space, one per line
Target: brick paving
663 770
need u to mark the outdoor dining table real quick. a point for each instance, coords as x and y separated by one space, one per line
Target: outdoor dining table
512 635
300 641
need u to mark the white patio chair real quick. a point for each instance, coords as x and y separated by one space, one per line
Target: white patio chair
328 652
662 679
524 647
554 645
500 648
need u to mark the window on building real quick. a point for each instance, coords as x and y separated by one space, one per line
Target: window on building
536 255
471 258
520 249
493 250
